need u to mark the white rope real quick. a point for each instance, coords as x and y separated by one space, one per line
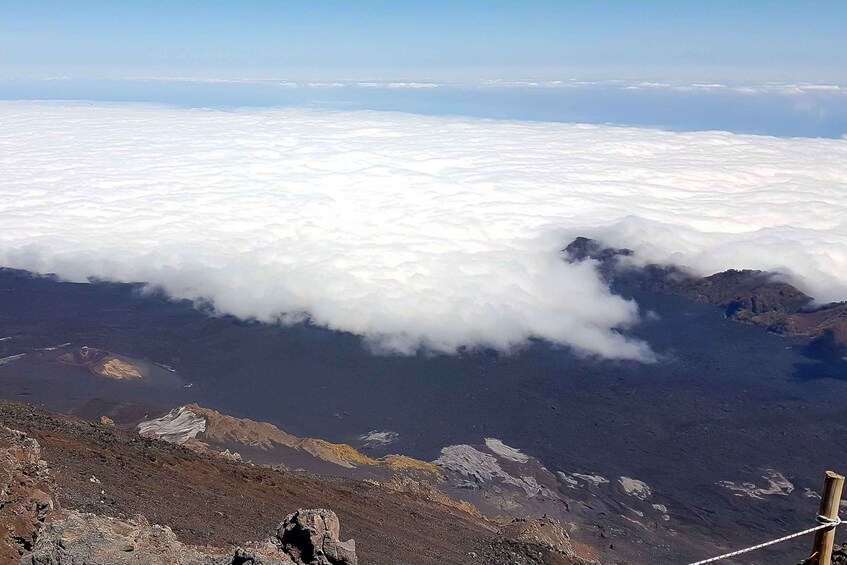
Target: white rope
825 523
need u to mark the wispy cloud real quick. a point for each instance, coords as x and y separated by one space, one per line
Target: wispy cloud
410 230
749 88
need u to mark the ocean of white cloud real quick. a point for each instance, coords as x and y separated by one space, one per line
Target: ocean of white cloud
409 230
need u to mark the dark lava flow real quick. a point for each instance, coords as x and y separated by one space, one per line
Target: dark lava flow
727 401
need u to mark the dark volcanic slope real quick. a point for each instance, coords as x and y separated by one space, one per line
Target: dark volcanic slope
752 297
209 501
728 402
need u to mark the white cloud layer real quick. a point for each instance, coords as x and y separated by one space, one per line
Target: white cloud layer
407 229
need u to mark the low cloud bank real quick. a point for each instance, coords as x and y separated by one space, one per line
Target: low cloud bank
409 230
747 88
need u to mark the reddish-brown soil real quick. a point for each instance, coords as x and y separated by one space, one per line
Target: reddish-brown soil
209 501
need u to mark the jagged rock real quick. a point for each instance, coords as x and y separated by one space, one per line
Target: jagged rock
311 537
26 493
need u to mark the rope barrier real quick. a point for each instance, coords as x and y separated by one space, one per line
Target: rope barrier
825 523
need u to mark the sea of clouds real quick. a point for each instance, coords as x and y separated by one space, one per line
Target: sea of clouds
409 230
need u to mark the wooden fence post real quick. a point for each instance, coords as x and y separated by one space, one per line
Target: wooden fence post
830 504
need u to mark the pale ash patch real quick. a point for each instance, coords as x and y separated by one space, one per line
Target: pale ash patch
504 451
574 479
777 485
533 489
472 463
481 468
594 480
569 481
53 347
375 438
177 426
9 359
636 488
664 510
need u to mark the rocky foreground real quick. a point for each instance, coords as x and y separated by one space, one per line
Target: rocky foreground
79 492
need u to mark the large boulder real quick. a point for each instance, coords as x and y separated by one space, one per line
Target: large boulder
311 537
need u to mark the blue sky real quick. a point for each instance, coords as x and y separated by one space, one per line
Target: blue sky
323 39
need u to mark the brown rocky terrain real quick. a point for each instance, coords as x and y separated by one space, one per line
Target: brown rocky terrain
112 485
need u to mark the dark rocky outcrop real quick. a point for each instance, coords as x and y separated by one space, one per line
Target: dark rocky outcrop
583 248
312 537
748 296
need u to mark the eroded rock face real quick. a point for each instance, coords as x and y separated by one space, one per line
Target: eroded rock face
312 537
26 494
